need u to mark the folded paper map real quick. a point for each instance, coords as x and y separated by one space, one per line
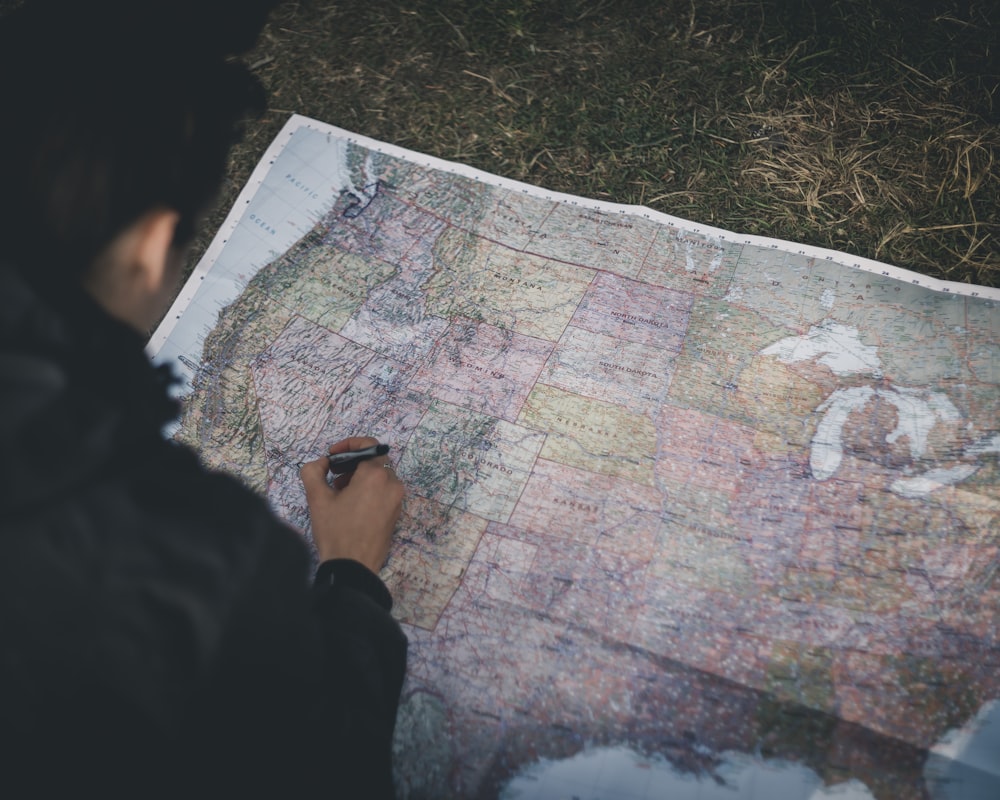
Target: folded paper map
688 511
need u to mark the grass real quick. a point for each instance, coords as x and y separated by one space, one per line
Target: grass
869 126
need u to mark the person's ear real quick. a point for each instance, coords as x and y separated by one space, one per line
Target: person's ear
134 277
152 248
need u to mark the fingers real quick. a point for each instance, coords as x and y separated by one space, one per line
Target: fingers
313 477
352 443
314 474
356 517
341 480
377 471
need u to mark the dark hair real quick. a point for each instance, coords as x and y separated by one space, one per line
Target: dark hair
112 109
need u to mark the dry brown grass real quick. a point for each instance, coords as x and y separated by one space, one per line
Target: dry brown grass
869 126
904 179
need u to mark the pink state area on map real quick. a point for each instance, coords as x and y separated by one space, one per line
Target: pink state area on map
629 374
595 588
635 312
702 451
340 389
483 368
597 510
299 374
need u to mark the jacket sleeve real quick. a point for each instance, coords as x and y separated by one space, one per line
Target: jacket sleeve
366 655
308 682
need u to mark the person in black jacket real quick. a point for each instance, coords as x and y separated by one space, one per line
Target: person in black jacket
160 635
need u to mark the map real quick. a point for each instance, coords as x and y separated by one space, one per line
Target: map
690 513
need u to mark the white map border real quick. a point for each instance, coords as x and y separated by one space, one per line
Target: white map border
301 220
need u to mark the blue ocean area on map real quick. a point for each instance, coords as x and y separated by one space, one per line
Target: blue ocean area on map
689 513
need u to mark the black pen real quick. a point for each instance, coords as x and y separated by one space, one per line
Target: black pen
346 462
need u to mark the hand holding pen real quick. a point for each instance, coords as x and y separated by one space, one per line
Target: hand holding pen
355 517
348 460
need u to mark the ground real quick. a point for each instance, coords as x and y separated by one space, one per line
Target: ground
867 126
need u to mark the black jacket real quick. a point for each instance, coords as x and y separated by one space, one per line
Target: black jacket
160 635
